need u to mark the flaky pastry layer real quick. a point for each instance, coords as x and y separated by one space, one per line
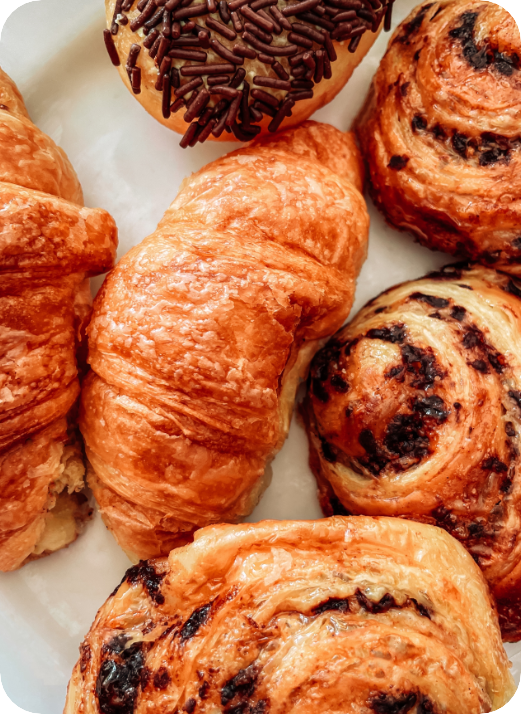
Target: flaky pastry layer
414 410
441 131
357 615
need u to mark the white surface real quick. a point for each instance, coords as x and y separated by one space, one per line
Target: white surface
132 166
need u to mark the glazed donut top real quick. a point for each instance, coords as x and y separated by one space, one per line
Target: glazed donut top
275 51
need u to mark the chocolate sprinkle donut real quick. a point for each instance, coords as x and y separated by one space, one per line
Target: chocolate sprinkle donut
294 41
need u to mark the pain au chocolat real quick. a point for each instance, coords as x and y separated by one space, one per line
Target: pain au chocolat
414 410
200 335
375 615
49 245
441 131
230 70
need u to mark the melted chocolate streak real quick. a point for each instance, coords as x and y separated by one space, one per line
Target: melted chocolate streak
489 148
173 32
123 673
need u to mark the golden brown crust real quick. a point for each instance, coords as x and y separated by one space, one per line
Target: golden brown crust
49 244
414 411
151 99
201 333
371 615
441 131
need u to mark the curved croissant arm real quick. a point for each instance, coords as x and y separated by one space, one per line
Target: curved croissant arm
414 410
200 335
346 614
49 244
440 131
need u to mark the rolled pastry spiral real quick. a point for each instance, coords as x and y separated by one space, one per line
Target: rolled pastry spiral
49 245
200 335
414 410
375 615
230 70
441 131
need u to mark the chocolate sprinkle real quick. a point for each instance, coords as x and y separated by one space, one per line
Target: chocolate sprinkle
111 48
179 35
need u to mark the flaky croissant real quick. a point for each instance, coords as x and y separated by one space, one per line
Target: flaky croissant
414 410
200 335
49 244
375 615
441 131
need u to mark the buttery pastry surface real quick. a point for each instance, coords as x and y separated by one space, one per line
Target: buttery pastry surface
200 335
149 50
441 131
413 410
365 615
49 245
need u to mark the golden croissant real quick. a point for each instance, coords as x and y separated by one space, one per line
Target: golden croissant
200 335
414 410
49 245
375 615
440 131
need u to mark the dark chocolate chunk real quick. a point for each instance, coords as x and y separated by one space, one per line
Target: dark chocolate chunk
242 685
339 384
480 366
189 705
332 604
397 163
145 573
432 407
383 703
320 391
395 334
327 451
384 605
465 33
119 680
513 289
419 123
509 428
432 300
494 464
458 313
196 620
161 678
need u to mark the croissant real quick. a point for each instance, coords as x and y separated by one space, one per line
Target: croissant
414 411
239 66
441 127
49 245
374 615
200 335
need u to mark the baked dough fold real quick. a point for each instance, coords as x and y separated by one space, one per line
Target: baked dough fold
360 614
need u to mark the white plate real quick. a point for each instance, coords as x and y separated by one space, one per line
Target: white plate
132 166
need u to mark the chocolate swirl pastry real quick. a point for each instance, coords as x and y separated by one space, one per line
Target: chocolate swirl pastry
201 334
218 69
375 615
414 410
49 245
441 131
